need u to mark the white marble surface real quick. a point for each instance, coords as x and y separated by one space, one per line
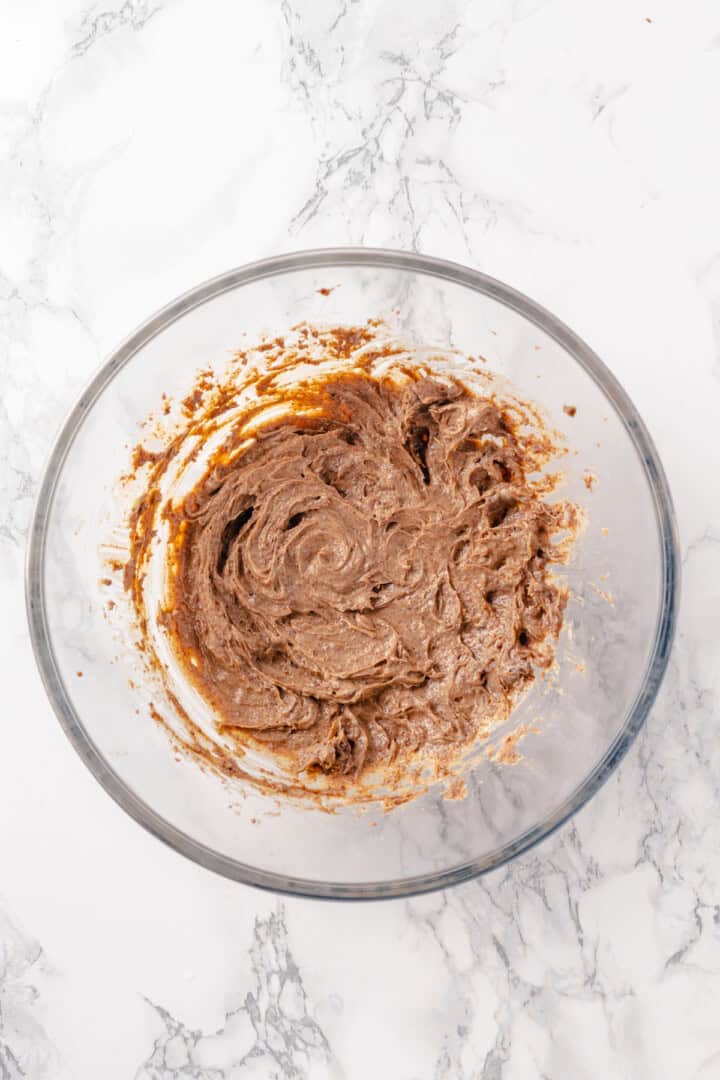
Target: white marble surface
571 149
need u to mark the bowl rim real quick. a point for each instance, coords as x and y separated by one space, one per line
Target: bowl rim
383 258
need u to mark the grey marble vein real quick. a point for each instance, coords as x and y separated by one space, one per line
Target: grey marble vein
132 13
25 1049
386 146
273 1028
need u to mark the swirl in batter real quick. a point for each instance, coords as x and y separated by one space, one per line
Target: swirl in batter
366 580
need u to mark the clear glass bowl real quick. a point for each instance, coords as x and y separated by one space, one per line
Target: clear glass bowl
611 656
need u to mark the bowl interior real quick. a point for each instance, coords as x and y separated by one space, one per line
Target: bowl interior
610 657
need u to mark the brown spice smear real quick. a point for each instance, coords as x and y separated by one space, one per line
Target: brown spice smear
361 579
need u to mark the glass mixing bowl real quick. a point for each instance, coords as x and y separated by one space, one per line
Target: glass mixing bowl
611 655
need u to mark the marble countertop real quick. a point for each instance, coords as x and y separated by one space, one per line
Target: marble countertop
569 149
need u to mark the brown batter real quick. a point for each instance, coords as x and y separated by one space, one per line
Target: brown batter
368 582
